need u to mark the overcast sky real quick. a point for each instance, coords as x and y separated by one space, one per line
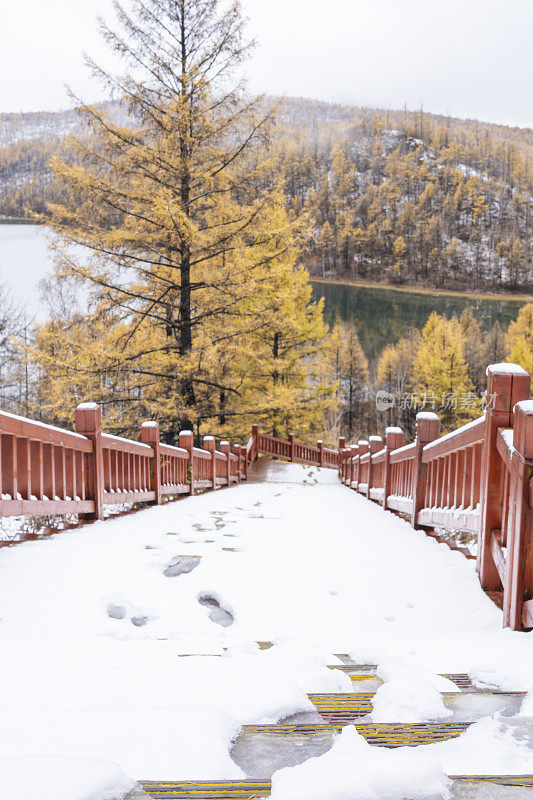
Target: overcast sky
468 58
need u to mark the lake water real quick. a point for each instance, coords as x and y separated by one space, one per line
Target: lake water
24 260
383 315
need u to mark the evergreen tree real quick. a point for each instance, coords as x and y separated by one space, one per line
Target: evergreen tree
352 374
520 339
440 371
189 254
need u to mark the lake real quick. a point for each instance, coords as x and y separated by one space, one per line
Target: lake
24 260
383 315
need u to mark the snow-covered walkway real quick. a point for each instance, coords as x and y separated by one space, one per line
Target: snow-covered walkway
135 641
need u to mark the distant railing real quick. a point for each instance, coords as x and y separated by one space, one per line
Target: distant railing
47 470
478 478
291 450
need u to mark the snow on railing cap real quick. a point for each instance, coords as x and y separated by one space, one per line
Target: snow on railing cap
427 415
393 429
209 438
150 424
525 406
375 439
319 441
224 442
187 433
504 368
85 406
362 441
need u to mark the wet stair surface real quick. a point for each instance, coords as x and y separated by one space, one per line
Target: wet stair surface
261 749
247 790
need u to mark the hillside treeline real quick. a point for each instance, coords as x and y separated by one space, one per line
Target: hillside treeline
398 197
408 198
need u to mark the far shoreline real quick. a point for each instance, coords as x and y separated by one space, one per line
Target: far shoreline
425 290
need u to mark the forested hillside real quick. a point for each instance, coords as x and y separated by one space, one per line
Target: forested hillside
405 197
400 197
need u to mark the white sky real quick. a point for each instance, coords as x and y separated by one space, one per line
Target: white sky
468 58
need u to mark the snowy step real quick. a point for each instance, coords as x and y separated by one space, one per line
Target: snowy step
261 750
475 786
379 734
468 706
206 790
359 673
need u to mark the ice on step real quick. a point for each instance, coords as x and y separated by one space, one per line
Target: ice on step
259 755
479 790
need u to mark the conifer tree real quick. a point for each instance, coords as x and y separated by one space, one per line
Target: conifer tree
440 371
520 339
188 253
350 370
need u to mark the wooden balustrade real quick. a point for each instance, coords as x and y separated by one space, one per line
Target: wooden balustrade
477 479
290 450
48 470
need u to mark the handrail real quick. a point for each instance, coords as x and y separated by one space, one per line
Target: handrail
478 478
49 470
291 450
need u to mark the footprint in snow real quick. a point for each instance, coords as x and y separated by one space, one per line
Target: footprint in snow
181 565
139 622
217 613
115 611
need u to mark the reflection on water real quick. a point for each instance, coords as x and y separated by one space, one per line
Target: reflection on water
383 315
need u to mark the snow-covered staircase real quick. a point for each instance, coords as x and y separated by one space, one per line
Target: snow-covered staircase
336 710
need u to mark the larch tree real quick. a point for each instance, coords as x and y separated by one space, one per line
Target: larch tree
441 374
185 252
351 372
520 339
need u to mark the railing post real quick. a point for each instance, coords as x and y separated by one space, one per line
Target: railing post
375 445
209 445
320 445
88 421
394 438
225 448
244 462
342 445
520 531
150 435
353 452
507 385
291 446
345 465
237 452
362 448
255 434
187 443
427 430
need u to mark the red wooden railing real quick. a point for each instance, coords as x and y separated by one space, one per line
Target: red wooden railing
478 478
48 470
291 450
